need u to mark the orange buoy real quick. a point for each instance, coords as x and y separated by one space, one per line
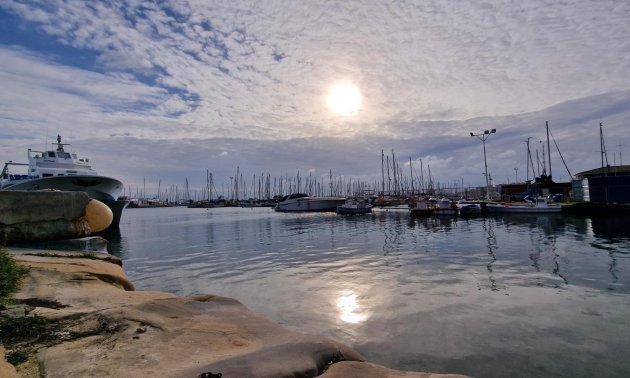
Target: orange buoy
99 216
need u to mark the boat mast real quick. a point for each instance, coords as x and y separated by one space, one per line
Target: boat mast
382 172
411 174
395 173
548 148
602 147
421 177
528 160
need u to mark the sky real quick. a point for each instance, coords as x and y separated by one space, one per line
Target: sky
165 91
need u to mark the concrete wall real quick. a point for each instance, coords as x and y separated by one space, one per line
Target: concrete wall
42 215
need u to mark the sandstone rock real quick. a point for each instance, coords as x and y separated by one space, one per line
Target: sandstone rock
353 369
6 369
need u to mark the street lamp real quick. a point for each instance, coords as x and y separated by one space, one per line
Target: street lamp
482 137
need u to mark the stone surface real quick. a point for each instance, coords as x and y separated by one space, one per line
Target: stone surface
6 369
353 369
107 329
86 244
42 215
39 206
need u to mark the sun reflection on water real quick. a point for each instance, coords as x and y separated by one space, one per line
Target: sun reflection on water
349 309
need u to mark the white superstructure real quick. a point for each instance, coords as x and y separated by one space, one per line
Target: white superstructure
60 170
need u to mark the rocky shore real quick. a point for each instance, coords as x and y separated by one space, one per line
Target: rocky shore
76 314
98 325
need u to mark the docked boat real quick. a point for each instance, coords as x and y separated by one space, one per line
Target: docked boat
303 202
539 205
65 171
353 206
445 207
422 207
467 208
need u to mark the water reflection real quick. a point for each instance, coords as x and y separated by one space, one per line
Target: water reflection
411 293
492 246
349 309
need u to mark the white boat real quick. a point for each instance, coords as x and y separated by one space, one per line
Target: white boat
353 206
65 171
540 205
422 207
445 206
303 202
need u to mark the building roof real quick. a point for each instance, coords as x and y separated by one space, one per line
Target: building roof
610 170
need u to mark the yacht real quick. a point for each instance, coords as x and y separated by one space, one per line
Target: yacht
539 205
61 170
354 206
303 202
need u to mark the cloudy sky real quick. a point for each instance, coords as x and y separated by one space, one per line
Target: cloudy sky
165 90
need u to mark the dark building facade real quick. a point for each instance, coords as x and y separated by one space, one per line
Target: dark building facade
607 185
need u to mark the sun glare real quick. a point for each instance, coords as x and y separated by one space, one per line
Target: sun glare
344 99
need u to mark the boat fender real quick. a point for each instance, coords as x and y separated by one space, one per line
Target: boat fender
99 216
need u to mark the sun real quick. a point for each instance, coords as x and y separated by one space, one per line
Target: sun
344 99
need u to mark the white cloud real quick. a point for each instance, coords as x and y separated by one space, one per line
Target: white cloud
256 74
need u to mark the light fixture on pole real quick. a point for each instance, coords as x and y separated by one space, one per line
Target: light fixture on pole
482 137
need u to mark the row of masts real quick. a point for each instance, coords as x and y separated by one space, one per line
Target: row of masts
395 181
264 186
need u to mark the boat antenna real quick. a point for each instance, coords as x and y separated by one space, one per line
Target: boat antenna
59 144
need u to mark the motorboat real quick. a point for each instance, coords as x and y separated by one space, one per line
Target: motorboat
466 207
538 205
445 206
304 202
353 206
421 207
61 170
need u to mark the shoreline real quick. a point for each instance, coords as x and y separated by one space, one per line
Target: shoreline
97 324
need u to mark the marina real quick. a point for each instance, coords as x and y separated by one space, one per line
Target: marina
524 295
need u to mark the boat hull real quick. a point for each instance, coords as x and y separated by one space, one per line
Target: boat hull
102 188
445 212
310 204
520 209
353 210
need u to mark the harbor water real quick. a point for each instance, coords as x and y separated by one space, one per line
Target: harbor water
501 296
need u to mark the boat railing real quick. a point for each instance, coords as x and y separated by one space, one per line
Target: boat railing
5 171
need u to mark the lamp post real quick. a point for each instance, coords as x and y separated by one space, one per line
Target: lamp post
482 137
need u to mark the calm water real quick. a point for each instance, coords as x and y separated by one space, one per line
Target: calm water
519 296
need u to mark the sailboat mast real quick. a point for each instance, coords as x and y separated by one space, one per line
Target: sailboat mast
411 174
529 159
382 173
548 148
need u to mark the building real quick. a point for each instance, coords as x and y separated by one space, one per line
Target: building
606 185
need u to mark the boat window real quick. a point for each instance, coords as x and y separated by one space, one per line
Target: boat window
74 156
49 154
47 174
63 155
